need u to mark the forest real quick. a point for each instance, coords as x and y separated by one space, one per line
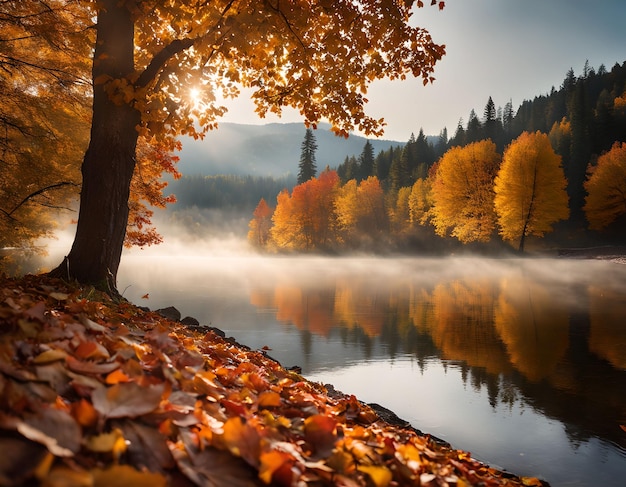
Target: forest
558 163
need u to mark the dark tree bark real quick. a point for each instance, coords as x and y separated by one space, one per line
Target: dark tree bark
109 161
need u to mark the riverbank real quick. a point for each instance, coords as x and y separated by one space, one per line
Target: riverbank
104 393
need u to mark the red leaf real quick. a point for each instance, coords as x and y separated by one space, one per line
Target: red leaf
319 431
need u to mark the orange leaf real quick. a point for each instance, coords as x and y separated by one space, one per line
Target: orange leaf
116 377
91 350
276 468
84 413
269 399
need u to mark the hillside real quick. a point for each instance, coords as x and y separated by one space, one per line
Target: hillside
267 150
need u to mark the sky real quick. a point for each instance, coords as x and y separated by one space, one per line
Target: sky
507 49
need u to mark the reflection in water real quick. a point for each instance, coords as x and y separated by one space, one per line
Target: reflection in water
608 329
523 362
533 325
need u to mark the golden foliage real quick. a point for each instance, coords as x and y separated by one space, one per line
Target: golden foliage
420 201
44 118
606 188
462 192
530 189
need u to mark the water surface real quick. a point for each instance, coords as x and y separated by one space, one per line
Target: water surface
522 362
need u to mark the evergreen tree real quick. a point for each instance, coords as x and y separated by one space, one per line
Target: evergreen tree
474 132
491 125
366 161
307 166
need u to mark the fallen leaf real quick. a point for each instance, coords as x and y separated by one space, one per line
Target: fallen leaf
319 432
127 399
89 367
84 413
124 475
55 429
59 296
276 468
269 399
113 442
68 477
380 475
116 377
20 458
49 356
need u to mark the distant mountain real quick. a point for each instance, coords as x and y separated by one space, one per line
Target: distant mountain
267 150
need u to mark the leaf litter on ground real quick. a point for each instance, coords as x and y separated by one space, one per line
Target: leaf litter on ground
99 392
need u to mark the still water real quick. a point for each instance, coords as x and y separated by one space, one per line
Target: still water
522 362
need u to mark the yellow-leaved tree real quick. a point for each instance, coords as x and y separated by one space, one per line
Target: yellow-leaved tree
420 201
606 188
462 192
530 189
149 56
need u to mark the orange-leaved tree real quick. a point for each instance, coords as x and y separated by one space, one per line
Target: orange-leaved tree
260 225
606 188
530 189
306 219
462 192
44 116
149 56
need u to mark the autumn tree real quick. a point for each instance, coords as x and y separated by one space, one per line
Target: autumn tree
149 56
530 189
462 192
304 220
307 166
44 117
346 215
260 225
420 202
606 188
372 218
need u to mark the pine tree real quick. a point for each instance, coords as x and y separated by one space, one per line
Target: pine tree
366 161
307 166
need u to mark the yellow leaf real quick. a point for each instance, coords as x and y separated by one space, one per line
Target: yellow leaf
381 476
113 442
49 356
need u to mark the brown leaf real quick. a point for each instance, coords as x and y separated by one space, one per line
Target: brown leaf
88 367
20 458
213 468
55 429
127 399
147 447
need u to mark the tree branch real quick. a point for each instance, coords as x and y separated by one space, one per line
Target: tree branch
9 214
169 51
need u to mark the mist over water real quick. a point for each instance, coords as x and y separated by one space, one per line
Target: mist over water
521 361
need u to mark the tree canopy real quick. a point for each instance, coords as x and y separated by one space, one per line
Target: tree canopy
606 188
160 68
530 189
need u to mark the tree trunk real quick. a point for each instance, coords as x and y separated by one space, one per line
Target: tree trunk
109 161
